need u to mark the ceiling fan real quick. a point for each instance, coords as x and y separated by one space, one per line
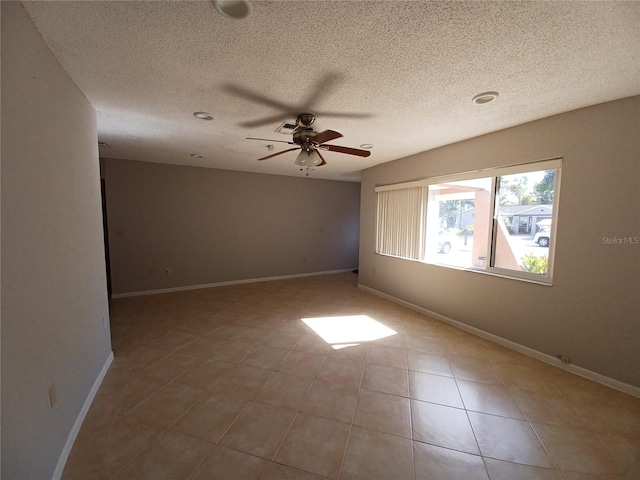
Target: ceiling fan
310 143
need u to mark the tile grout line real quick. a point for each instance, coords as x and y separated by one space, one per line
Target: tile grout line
353 416
413 447
546 451
301 403
475 436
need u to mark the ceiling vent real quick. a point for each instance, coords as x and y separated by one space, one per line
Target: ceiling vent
286 128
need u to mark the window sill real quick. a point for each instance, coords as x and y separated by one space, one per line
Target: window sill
547 282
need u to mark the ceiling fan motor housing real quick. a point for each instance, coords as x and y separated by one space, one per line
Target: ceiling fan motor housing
305 120
303 136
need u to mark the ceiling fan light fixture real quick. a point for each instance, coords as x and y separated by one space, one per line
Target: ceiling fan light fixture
235 9
367 146
308 158
203 115
484 97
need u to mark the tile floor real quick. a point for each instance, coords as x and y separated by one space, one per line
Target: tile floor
229 383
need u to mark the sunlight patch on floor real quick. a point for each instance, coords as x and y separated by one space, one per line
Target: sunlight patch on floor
348 331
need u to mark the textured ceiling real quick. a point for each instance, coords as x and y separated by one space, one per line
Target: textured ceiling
399 75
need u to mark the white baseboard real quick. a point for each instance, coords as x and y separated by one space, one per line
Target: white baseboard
551 360
62 461
224 284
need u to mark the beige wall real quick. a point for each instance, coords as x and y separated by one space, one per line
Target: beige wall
53 273
212 226
592 312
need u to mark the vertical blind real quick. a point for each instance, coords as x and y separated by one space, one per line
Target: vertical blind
400 222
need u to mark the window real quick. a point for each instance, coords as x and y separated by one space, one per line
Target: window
499 221
457 222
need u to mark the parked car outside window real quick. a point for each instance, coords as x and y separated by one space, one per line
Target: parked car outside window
542 238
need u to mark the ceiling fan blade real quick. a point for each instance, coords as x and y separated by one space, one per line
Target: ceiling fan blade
279 118
347 150
269 140
323 162
279 153
286 109
322 87
344 115
256 97
326 136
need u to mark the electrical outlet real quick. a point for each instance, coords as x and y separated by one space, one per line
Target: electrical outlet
53 395
104 323
564 358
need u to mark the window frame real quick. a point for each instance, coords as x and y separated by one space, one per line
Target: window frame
494 174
